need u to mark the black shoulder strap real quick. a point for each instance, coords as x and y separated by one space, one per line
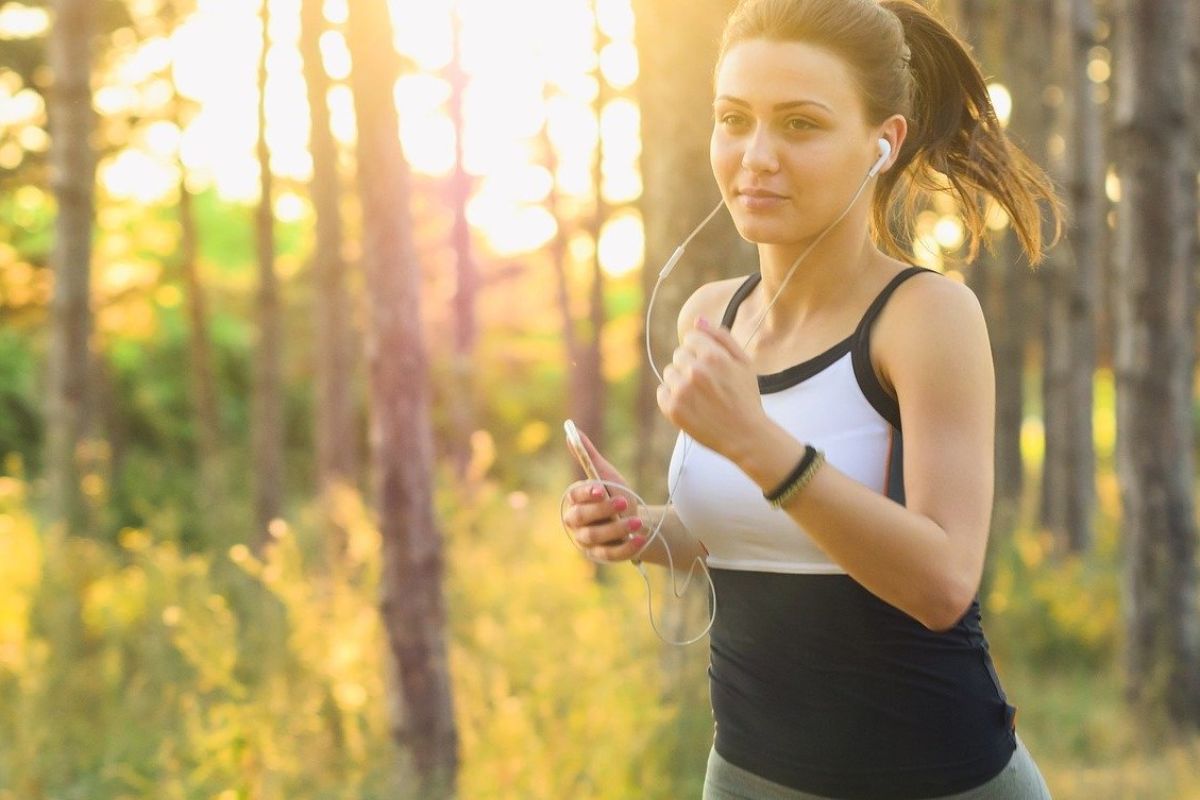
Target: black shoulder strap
738 296
881 299
883 402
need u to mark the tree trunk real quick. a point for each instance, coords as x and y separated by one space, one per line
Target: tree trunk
675 94
462 396
72 178
1072 289
999 285
1155 312
573 354
337 454
401 435
268 379
591 387
211 492
562 284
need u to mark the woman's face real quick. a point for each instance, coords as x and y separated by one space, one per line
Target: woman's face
790 143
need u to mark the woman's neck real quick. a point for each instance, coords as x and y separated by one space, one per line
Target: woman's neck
820 285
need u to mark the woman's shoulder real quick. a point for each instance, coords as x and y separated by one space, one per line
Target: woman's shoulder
930 312
927 292
708 301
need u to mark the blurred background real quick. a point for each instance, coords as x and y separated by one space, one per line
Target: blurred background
295 295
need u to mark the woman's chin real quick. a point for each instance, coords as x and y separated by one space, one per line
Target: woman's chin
762 232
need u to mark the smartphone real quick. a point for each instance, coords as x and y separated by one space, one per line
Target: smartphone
585 461
581 454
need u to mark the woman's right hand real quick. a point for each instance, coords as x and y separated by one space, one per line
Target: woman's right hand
607 529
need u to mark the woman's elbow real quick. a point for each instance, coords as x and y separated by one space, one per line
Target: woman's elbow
952 605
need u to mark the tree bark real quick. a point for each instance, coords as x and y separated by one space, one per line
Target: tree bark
1000 285
210 487
558 261
401 435
466 326
675 94
72 178
337 453
591 387
1155 313
1071 284
268 379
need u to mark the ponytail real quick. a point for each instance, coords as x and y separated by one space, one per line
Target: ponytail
907 62
955 137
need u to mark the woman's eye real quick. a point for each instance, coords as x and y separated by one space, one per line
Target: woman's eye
730 120
798 124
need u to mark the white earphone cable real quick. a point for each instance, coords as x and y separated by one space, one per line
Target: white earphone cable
885 149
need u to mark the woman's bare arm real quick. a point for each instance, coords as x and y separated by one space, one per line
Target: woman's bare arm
685 548
926 556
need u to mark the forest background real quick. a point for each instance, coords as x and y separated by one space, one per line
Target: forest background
294 296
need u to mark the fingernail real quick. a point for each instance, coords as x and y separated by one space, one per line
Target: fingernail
703 323
634 524
620 504
597 492
638 541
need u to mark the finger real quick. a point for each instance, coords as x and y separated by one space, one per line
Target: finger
723 337
586 492
616 532
611 535
602 533
683 356
622 550
619 552
600 512
672 377
696 342
625 549
703 351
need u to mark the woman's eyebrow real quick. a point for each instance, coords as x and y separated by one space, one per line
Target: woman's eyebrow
778 106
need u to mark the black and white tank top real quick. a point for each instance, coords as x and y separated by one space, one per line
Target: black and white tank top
833 401
816 683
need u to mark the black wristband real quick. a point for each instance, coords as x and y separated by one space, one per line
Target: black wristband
810 453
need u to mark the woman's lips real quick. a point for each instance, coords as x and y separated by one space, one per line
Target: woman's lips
759 199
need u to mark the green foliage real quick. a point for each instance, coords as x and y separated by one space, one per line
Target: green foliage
141 671
557 677
20 418
1058 609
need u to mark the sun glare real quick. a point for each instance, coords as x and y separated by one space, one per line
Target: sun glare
622 244
528 88
22 22
1001 101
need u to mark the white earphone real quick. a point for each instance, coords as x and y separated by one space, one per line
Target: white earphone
885 150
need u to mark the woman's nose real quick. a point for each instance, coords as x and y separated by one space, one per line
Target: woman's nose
759 155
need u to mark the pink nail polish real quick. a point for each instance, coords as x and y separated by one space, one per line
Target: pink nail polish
634 524
638 541
620 504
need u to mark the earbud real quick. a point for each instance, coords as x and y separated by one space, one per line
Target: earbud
885 150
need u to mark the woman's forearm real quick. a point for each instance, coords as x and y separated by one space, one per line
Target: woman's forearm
685 548
901 556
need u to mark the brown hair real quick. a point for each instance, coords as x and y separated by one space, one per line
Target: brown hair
908 62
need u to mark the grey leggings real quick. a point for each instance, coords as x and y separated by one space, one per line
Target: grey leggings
1019 780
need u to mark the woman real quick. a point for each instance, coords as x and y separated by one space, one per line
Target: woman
840 483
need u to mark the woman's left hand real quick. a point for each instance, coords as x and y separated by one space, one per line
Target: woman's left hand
710 390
